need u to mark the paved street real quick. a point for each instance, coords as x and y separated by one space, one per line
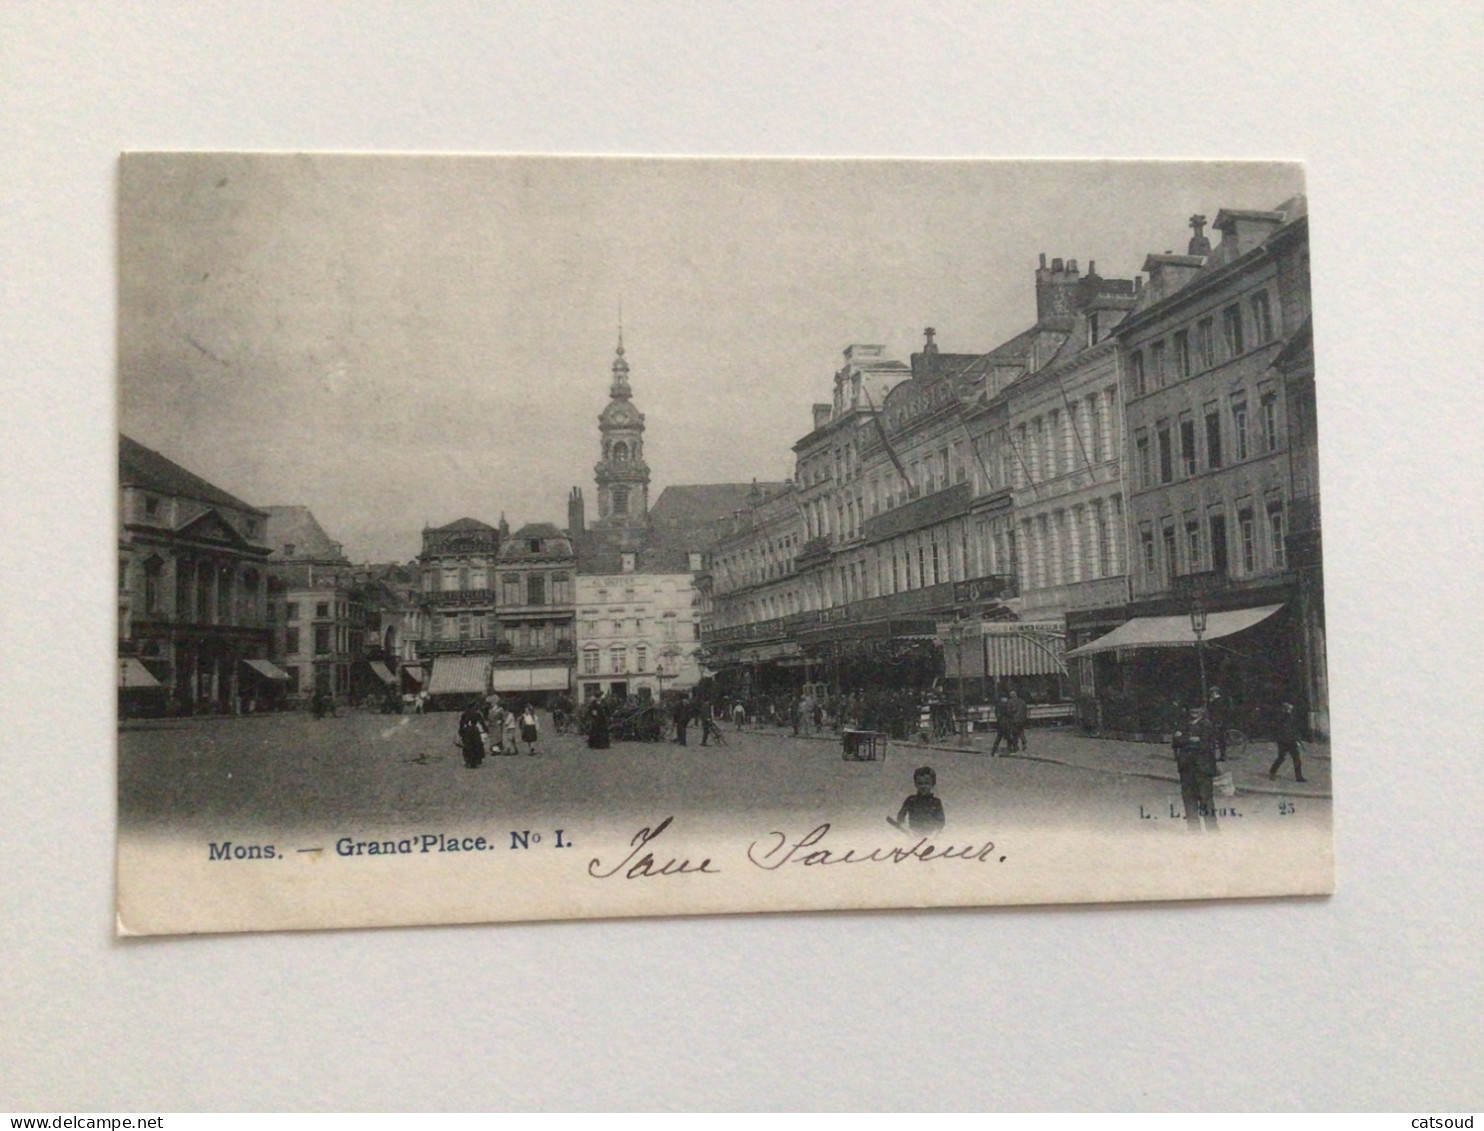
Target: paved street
360 770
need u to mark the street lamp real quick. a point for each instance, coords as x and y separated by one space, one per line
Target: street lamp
1198 626
962 723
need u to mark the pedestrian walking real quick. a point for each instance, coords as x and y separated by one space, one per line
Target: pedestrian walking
471 736
739 714
1004 728
597 724
528 729
1288 744
511 736
682 719
709 729
1195 758
1020 717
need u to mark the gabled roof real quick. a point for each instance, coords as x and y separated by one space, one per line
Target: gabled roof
463 524
703 503
147 469
296 526
210 526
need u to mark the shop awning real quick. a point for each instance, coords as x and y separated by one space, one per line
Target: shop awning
1174 632
267 669
1004 649
531 679
133 674
414 672
457 675
382 672
1024 651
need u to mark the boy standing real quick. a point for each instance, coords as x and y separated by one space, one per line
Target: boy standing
922 812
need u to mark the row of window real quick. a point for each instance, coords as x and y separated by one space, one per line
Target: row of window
617 660
1179 448
342 610
1198 542
515 588
329 639
477 626
1194 350
1059 443
1079 543
669 627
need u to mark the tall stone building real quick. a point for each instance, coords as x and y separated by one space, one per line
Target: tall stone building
193 592
316 612
456 624
1211 490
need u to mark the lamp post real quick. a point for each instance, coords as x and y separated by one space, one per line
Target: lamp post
961 722
1198 626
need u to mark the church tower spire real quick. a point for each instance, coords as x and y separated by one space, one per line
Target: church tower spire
622 475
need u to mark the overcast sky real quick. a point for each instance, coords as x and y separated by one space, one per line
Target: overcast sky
394 341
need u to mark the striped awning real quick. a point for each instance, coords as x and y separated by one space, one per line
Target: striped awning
134 674
1003 648
456 675
1026 652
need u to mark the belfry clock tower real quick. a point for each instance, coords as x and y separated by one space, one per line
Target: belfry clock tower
622 474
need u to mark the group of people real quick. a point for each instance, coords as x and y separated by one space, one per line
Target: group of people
686 711
1199 743
1011 717
492 728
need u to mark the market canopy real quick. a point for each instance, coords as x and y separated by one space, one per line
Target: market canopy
458 675
268 669
1174 632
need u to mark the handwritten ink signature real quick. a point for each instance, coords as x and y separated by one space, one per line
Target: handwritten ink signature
646 866
804 851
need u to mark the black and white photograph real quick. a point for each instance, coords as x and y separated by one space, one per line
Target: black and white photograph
515 537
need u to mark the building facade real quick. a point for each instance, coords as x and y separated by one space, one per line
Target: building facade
1210 476
316 613
193 592
637 633
537 603
455 624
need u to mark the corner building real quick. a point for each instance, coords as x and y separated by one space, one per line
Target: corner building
1210 483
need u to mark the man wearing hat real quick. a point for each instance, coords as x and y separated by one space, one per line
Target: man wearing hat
1195 758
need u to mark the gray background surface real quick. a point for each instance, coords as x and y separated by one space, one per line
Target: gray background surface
1367 1000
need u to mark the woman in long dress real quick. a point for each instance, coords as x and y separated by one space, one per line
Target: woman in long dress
597 727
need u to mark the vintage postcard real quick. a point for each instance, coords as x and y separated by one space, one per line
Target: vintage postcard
509 538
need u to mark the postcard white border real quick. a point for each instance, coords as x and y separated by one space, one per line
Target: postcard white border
1368 1000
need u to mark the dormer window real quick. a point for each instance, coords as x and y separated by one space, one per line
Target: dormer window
534 545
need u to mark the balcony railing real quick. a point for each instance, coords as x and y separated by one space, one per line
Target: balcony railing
493 647
813 552
445 597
